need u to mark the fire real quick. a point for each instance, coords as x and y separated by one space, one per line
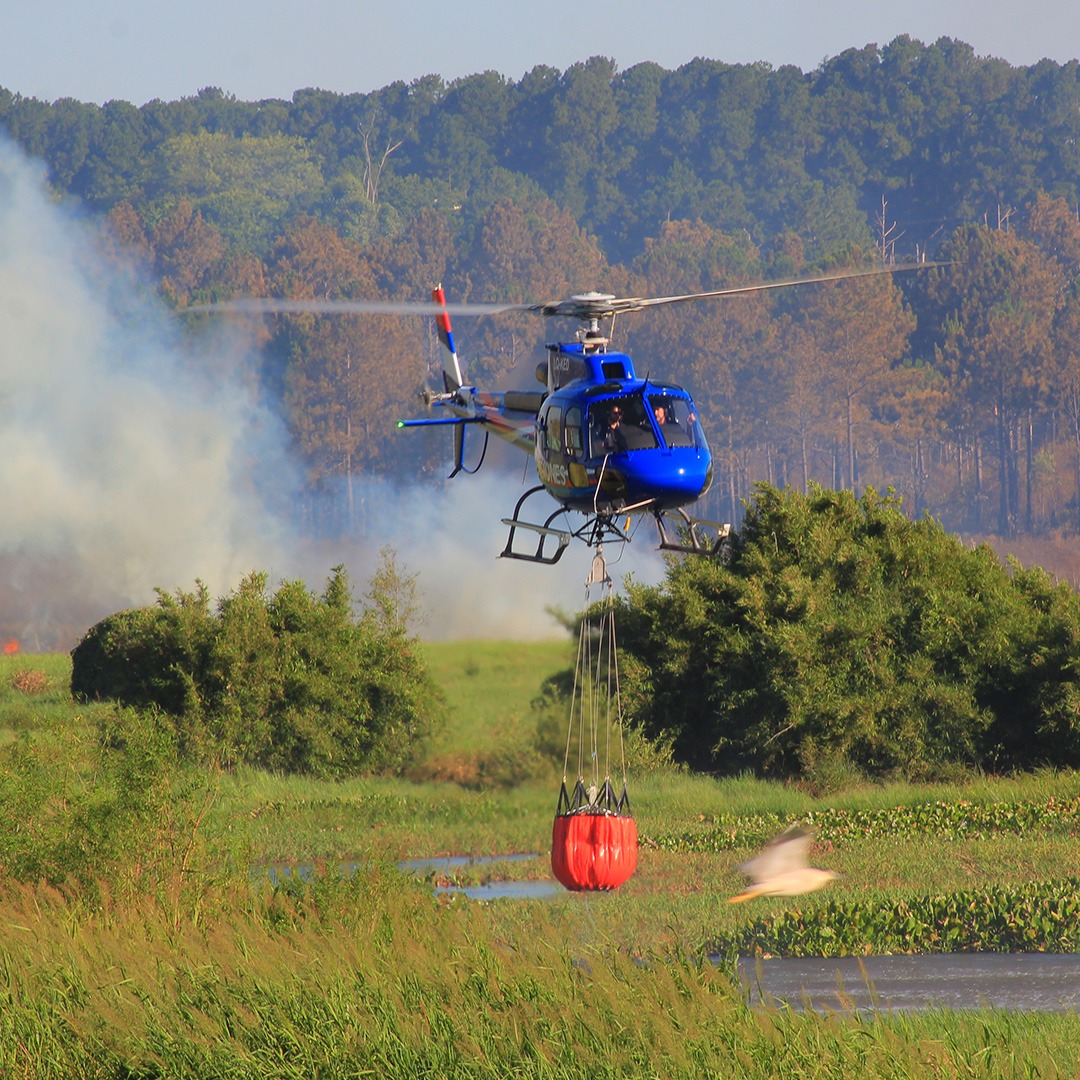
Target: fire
11 647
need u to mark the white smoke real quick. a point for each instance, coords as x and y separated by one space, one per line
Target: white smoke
124 463
128 463
451 534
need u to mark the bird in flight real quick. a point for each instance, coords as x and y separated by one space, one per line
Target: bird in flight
782 870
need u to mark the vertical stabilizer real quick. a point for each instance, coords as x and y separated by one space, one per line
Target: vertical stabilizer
451 367
459 450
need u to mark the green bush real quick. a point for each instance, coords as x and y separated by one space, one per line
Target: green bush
843 638
294 682
114 810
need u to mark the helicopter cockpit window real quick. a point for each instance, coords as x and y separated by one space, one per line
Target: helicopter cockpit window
572 432
676 419
621 424
553 430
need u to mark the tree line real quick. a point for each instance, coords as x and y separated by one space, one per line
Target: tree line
956 385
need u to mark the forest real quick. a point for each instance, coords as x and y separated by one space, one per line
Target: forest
958 386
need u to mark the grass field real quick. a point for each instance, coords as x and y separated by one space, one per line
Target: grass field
213 974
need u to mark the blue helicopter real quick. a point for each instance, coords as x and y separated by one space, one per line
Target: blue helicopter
606 443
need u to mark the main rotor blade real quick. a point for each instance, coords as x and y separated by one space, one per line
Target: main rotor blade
270 306
586 306
840 275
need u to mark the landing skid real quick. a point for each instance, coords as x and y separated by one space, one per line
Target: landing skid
597 529
546 535
685 534
694 536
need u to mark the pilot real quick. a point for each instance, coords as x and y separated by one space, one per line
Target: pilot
614 437
666 418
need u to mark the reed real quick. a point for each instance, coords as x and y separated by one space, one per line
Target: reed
372 976
375 977
183 962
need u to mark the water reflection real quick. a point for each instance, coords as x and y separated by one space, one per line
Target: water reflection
440 867
506 890
1045 982
440 870
456 862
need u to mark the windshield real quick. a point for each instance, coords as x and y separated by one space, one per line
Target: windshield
677 420
619 424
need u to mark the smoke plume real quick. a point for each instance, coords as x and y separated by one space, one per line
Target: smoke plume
129 462
124 463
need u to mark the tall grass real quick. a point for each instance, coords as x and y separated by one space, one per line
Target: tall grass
210 973
373 977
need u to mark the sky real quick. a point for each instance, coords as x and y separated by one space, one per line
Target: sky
136 51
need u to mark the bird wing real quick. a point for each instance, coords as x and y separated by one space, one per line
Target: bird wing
783 854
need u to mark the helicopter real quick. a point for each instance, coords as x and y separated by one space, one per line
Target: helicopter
607 443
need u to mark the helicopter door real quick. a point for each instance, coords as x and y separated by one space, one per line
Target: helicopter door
551 459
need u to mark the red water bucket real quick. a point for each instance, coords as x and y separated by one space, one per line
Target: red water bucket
593 851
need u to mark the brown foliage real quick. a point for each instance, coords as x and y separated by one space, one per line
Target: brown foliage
188 250
30 682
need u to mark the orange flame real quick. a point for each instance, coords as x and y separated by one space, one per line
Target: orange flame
11 647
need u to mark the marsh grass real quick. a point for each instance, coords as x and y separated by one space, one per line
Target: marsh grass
287 818
374 977
371 974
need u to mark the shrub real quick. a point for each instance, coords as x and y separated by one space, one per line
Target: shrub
84 812
30 681
843 634
294 682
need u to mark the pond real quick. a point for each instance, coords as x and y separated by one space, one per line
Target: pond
440 869
1044 982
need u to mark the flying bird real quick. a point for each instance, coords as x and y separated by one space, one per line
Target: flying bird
781 869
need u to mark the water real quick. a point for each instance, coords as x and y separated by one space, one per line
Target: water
506 890
1044 982
454 862
444 864
492 890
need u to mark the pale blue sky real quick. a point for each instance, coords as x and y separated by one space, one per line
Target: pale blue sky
137 50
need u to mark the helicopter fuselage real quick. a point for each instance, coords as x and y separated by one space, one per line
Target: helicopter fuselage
604 441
